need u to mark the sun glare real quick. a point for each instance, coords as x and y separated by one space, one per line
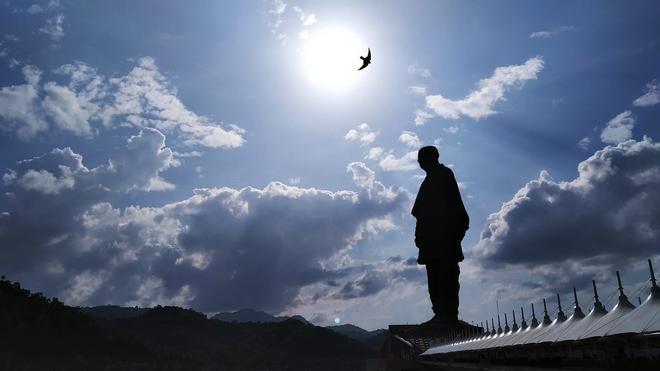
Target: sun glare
331 58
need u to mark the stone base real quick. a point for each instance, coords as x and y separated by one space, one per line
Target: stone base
408 341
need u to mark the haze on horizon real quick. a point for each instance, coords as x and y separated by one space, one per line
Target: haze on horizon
222 155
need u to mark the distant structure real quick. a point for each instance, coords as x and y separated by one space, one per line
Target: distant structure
626 335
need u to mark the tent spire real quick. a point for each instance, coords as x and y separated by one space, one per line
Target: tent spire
546 317
499 324
598 306
577 311
623 299
523 324
492 327
654 284
535 322
514 328
561 317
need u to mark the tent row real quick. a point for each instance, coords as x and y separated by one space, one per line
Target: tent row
624 318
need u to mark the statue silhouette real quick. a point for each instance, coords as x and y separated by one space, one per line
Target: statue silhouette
441 225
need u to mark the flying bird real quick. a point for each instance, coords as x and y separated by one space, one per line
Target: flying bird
366 60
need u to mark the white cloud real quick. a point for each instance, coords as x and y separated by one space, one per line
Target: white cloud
417 70
53 27
375 153
13 63
547 34
540 35
651 97
362 175
277 11
618 129
404 163
410 139
35 8
361 133
137 166
451 130
19 106
421 117
417 89
479 103
142 98
68 110
584 143
307 19
46 182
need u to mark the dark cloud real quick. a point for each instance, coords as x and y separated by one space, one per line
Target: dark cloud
378 277
55 201
220 249
568 231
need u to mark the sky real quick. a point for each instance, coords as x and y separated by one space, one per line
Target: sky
227 155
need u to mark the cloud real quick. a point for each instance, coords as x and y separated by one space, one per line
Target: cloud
219 249
479 103
410 139
651 97
375 153
380 276
35 8
421 117
618 129
547 34
584 143
417 89
417 70
136 166
90 102
454 129
68 110
404 163
606 217
305 18
53 27
361 133
277 11
395 283
18 106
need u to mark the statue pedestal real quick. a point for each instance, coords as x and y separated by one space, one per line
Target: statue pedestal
408 341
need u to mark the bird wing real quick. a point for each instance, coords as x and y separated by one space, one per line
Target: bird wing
365 60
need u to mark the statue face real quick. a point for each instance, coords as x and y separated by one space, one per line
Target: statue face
426 162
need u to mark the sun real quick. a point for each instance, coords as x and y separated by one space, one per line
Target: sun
331 58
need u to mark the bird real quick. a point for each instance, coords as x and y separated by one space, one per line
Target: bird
366 60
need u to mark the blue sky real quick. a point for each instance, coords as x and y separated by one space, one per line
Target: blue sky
159 152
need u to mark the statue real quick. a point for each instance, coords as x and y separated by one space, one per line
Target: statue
441 225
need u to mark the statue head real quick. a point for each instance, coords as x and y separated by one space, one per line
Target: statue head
428 157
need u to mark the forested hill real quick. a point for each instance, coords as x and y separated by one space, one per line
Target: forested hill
38 333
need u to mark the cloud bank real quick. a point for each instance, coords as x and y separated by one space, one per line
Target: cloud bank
570 231
219 249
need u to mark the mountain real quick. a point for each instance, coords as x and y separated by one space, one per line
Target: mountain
373 339
252 315
113 311
43 333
